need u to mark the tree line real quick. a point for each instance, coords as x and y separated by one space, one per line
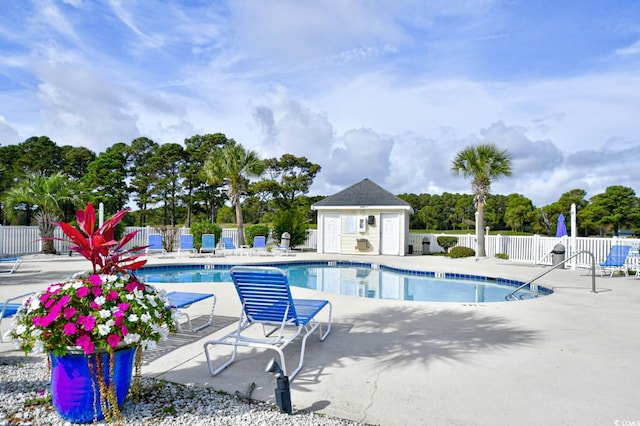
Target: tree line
213 178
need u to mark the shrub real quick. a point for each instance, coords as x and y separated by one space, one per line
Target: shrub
446 242
204 227
461 251
252 231
292 221
504 256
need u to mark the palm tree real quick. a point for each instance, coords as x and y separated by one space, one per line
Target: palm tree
484 164
234 165
48 195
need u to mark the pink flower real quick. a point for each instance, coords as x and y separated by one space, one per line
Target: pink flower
133 286
118 318
95 306
49 318
64 300
113 340
87 322
97 291
82 292
70 328
95 280
86 344
124 330
69 312
112 295
123 306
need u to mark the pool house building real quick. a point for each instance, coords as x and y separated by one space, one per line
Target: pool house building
363 219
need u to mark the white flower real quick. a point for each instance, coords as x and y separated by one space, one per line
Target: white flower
133 318
148 345
103 329
35 302
104 313
100 300
38 347
21 328
145 317
130 296
152 300
36 332
131 338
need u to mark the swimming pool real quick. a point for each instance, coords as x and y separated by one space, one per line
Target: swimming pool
361 280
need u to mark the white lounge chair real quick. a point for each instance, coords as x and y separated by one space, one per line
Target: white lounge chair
266 301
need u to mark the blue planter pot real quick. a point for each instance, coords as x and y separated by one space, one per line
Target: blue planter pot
73 385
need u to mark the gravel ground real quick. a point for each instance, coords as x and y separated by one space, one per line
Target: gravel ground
25 400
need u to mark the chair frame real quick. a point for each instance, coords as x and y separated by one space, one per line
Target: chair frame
17 261
184 299
10 309
266 301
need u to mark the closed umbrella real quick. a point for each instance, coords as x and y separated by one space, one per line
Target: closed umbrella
561 229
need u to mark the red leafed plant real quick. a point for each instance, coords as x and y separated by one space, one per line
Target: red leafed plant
99 245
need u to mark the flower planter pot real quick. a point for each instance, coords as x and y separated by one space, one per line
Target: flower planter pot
75 390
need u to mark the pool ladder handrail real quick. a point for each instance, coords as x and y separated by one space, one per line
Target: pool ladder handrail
593 274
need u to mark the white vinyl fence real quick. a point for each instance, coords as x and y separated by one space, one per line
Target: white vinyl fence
20 240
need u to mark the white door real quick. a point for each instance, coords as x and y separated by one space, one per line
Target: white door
390 234
331 233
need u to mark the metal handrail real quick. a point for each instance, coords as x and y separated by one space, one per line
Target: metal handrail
593 273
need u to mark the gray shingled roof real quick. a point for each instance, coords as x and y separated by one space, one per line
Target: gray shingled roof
363 193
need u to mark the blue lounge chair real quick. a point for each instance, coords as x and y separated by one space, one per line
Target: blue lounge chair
616 260
154 244
184 299
259 245
186 244
208 243
266 300
228 246
9 308
14 263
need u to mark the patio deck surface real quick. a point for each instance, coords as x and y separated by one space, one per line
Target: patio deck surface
568 358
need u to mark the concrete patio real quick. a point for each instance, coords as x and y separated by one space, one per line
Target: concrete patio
567 358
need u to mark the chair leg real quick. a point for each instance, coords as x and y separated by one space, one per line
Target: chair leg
208 323
223 366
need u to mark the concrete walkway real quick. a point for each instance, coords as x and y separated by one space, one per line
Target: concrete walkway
568 358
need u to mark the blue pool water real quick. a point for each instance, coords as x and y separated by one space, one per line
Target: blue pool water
361 280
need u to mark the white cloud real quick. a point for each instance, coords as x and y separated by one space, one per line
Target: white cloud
633 49
8 135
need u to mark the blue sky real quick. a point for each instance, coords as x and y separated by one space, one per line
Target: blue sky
385 90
